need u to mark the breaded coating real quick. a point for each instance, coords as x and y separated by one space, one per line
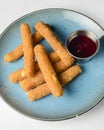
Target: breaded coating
48 71
54 42
28 46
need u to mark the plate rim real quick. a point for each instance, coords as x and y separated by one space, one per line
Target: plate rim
42 118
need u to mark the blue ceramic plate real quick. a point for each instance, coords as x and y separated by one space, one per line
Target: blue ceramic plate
80 95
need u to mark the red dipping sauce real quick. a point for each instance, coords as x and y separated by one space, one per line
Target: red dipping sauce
82 46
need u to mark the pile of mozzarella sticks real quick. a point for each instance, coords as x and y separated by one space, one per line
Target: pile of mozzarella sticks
43 73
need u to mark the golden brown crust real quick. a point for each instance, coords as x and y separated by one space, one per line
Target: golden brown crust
28 47
37 37
39 92
48 71
16 76
55 43
14 54
30 83
53 57
69 74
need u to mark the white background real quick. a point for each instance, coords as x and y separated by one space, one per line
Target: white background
10 10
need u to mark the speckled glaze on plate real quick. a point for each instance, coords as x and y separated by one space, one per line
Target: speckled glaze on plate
82 94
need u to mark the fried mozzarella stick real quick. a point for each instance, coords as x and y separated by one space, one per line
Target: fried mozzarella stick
53 57
18 51
28 46
51 38
65 77
48 71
